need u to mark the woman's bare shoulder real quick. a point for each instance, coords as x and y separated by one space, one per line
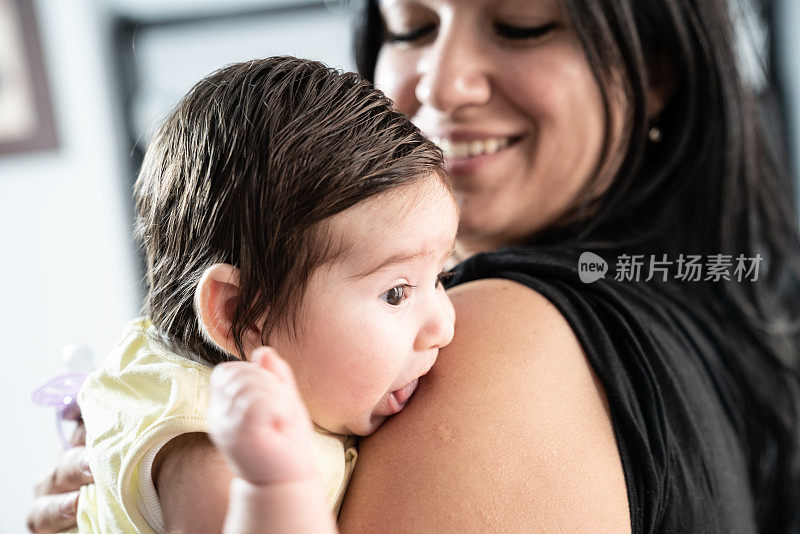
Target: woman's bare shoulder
509 431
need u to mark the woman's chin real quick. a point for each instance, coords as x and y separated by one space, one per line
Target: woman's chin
478 234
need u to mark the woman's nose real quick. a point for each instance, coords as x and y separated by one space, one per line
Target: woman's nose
453 72
439 325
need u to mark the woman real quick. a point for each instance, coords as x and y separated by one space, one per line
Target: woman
620 128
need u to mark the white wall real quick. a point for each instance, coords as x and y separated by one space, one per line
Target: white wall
67 268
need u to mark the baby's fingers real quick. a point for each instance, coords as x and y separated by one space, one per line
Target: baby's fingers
268 358
243 390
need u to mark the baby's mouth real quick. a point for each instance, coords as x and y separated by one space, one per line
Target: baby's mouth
399 397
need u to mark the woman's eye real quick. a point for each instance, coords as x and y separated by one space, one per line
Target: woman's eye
396 295
409 36
518 32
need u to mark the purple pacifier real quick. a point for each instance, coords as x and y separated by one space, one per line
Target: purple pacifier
61 392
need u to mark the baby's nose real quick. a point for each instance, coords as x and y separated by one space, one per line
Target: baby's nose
438 329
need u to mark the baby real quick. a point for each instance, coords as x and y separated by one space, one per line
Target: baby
285 204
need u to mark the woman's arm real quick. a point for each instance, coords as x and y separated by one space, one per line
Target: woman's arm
510 431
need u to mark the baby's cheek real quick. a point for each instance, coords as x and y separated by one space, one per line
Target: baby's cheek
356 403
334 402
358 395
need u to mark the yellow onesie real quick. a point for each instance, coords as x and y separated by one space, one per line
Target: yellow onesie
142 397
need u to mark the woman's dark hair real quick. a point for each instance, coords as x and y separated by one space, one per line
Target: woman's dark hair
245 171
714 184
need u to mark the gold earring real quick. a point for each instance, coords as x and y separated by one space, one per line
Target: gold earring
654 134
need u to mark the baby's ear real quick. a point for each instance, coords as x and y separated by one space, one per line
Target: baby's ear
217 295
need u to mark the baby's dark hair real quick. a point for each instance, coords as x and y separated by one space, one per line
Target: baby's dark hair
245 169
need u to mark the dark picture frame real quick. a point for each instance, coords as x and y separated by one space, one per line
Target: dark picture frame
26 113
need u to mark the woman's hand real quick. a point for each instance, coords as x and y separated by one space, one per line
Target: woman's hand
56 503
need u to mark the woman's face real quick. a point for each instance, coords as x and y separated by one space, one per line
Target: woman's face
504 88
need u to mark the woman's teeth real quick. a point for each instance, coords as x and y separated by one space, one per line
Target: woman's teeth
468 149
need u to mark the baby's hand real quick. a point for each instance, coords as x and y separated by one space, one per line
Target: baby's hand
258 421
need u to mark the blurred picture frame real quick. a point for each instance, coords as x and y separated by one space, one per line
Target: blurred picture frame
26 113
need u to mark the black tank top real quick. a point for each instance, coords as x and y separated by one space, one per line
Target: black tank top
677 430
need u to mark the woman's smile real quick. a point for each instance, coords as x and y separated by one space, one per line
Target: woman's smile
467 152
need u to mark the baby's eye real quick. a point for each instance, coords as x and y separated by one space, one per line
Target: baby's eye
443 277
396 295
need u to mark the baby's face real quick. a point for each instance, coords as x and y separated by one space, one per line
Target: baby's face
373 321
